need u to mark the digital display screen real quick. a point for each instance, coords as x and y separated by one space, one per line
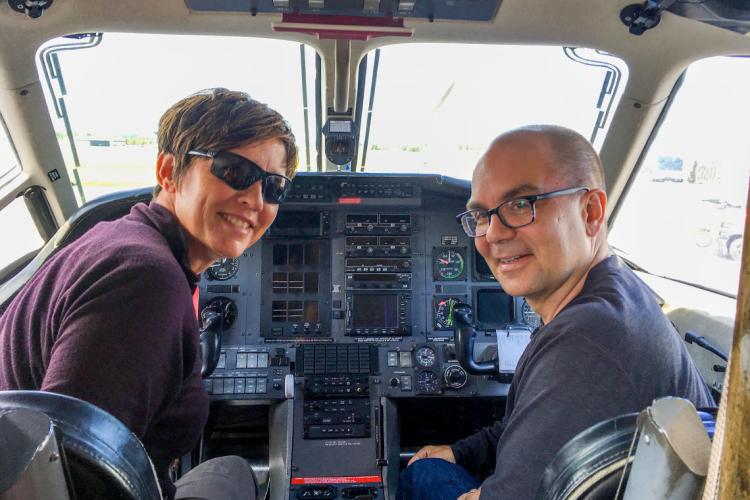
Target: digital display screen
341 126
296 223
383 277
375 311
493 307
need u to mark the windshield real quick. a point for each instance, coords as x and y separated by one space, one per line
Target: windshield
436 107
684 214
113 111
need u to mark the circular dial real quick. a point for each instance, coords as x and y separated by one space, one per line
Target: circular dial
449 265
427 382
226 310
425 356
455 377
529 316
223 269
444 312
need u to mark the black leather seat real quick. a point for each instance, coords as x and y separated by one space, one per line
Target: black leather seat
102 457
591 465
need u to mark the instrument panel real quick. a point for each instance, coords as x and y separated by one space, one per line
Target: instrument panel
374 260
342 312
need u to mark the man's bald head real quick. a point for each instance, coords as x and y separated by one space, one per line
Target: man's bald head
574 159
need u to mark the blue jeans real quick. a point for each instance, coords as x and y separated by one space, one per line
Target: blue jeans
434 479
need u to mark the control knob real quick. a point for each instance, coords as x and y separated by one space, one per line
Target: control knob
455 377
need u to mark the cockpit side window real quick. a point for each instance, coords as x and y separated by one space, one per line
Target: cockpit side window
15 219
684 214
9 164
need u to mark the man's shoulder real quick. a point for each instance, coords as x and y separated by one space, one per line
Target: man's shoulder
613 297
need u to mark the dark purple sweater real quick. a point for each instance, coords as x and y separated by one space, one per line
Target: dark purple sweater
109 319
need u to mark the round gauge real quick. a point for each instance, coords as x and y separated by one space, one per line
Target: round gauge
425 356
529 316
222 306
428 382
444 312
223 269
449 264
455 377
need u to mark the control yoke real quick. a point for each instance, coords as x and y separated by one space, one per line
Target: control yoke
216 316
464 330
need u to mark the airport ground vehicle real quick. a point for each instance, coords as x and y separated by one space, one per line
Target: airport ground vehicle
348 240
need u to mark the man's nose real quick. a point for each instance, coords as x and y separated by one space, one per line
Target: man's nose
497 231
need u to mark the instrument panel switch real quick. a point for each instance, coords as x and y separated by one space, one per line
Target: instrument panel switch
392 358
404 359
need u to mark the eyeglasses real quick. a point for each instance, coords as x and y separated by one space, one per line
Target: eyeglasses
240 173
514 213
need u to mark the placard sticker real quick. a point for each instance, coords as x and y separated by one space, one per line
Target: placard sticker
511 343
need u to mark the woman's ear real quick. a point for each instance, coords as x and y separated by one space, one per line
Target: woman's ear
165 172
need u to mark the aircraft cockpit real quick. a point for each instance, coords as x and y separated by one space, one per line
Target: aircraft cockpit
365 323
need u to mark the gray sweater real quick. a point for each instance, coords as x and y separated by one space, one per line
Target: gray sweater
610 351
109 319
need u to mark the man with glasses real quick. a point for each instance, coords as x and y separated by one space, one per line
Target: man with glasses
537 216
109 318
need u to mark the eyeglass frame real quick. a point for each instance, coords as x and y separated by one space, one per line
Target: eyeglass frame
211 153
532 199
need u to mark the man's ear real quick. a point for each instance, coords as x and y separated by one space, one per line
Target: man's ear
595 211
165 172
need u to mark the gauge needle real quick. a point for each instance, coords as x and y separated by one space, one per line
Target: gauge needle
444 261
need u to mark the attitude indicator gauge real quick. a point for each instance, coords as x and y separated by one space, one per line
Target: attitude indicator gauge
223 269
448 264
444 312
425 356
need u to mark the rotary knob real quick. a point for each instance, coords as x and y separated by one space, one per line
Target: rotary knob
455 377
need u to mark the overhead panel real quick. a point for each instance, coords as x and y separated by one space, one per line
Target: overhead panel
465 10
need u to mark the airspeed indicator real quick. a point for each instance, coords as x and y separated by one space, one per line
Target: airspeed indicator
448 264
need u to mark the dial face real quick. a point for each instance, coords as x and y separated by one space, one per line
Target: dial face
425 356
449 265
529 316
427 382
444 312
224 307
223 269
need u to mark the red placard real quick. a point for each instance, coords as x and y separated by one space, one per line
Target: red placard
336 480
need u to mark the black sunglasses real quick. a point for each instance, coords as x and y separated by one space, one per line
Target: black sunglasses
240 173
